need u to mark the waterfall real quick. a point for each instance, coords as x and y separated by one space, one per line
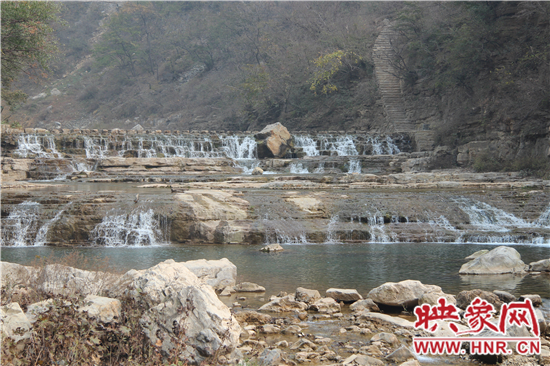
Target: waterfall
340 145
384 147
139 228
331 235
298 168
544 218
42 235
354 166
489 218
95 150
320 169
308 145
19 227
37 146
239 148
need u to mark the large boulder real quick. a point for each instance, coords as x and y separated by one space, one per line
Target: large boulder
216 273
181 305
274 141
499 260
403 294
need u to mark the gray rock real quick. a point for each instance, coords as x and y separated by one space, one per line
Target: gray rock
270 357
272 248
464 298
217 273
326 305
385 337
257 171
477 254
14 323
401 354
405 293
364 305
176 296
55 91
536 300
105 309
306 295
284 304
499 260
504 296
346 295
362 360
249 287
540 266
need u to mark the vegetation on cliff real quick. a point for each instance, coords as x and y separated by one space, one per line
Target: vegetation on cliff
476 67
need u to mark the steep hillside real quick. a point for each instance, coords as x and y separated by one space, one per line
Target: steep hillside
455 73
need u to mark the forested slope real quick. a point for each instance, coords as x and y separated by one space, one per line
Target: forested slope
466 71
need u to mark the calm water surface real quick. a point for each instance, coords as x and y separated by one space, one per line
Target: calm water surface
321 266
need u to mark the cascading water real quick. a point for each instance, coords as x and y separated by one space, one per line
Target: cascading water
298 168
95 149
243 150
37 146
19 227
320 169
331 235
42 235
354 166
488 218
308 145
138 228
236 147
339 145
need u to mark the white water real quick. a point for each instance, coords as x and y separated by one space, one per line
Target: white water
298 168
488 218
36 146
95 149
42 235
19 227
320 169
354 166
139 228
307 144
331 235
236 147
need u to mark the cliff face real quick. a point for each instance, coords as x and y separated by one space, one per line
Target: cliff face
472 79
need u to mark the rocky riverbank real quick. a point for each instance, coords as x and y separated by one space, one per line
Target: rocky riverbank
176 310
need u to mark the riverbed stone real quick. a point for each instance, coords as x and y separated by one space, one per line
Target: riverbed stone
504 296
270 357
272 248
306 295
401 354
257 171
249 287
326 305
345 295
216 273
464 298
536 300
540 266
364 305
405 293
385 337
284 304
431 298
499 260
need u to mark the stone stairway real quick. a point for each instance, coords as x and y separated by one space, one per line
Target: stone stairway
389 84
